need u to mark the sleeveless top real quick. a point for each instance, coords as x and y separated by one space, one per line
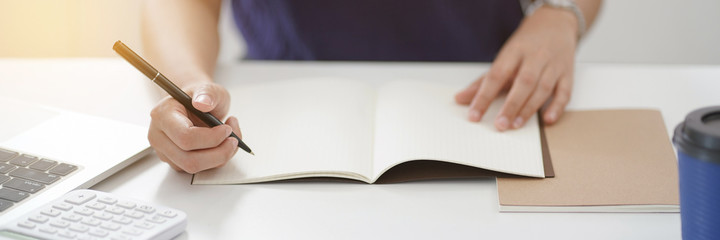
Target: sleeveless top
376 30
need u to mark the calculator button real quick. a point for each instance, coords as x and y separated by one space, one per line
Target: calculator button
126 204
110 226
83 237
145 225
85 211
80 198
96 206
156 219
59 224
135 214
51 212
91 222
63 206
26 224
72 218
13 195
24 185
103 216
79 228
23 160
115 210
49 230
132 231
67 234
168 213
146 209
98 232
122 220
107 200
120 237
34 175
39 218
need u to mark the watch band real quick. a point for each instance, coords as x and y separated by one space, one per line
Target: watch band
562 4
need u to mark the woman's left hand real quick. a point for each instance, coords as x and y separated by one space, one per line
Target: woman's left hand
536 64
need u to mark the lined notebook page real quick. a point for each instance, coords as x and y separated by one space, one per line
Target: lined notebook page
420 120
300 126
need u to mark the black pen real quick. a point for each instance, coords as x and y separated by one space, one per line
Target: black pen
169 87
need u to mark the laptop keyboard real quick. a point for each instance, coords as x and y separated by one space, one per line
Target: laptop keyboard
22 175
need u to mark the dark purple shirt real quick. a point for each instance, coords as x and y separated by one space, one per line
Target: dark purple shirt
383 30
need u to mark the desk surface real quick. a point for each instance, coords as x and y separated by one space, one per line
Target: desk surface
447 209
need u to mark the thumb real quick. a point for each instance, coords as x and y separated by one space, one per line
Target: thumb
206 97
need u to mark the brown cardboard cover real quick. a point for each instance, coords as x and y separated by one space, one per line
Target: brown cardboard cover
602 158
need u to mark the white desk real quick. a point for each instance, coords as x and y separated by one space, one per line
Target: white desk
449 209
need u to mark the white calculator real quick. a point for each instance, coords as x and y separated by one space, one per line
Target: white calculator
89 214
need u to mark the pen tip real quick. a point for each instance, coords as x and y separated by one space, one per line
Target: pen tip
252 153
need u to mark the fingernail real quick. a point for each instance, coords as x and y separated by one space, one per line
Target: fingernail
204 99
503 123
518 122
475 115
550 117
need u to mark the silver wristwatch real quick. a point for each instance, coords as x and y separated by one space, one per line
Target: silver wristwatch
563 4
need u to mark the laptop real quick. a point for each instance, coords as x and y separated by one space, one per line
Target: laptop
46 152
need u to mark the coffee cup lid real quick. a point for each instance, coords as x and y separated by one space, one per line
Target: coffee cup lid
699 135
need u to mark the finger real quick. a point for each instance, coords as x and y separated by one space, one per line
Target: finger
544 89
197 160
465 96
233 122
523 86
210 97
180 130
560 100
500 73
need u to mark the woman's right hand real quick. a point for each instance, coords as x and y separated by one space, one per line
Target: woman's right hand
184 141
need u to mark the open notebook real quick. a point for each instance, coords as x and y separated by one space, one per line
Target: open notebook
328 127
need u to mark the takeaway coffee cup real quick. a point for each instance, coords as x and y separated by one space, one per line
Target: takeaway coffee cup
697 140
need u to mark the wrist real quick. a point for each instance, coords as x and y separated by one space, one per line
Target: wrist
569 7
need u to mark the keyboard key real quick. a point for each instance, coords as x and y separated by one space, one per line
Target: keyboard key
103 216
115 210
120 237
156 219
6 168
145 225
96 206
13 195
122 220
63 169
5 204
168 213
72 218
34 175
135 214
23 160
43 164
132 231
110 226
4 178
6 155
80 198
24 185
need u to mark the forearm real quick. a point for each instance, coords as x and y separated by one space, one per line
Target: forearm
181 39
